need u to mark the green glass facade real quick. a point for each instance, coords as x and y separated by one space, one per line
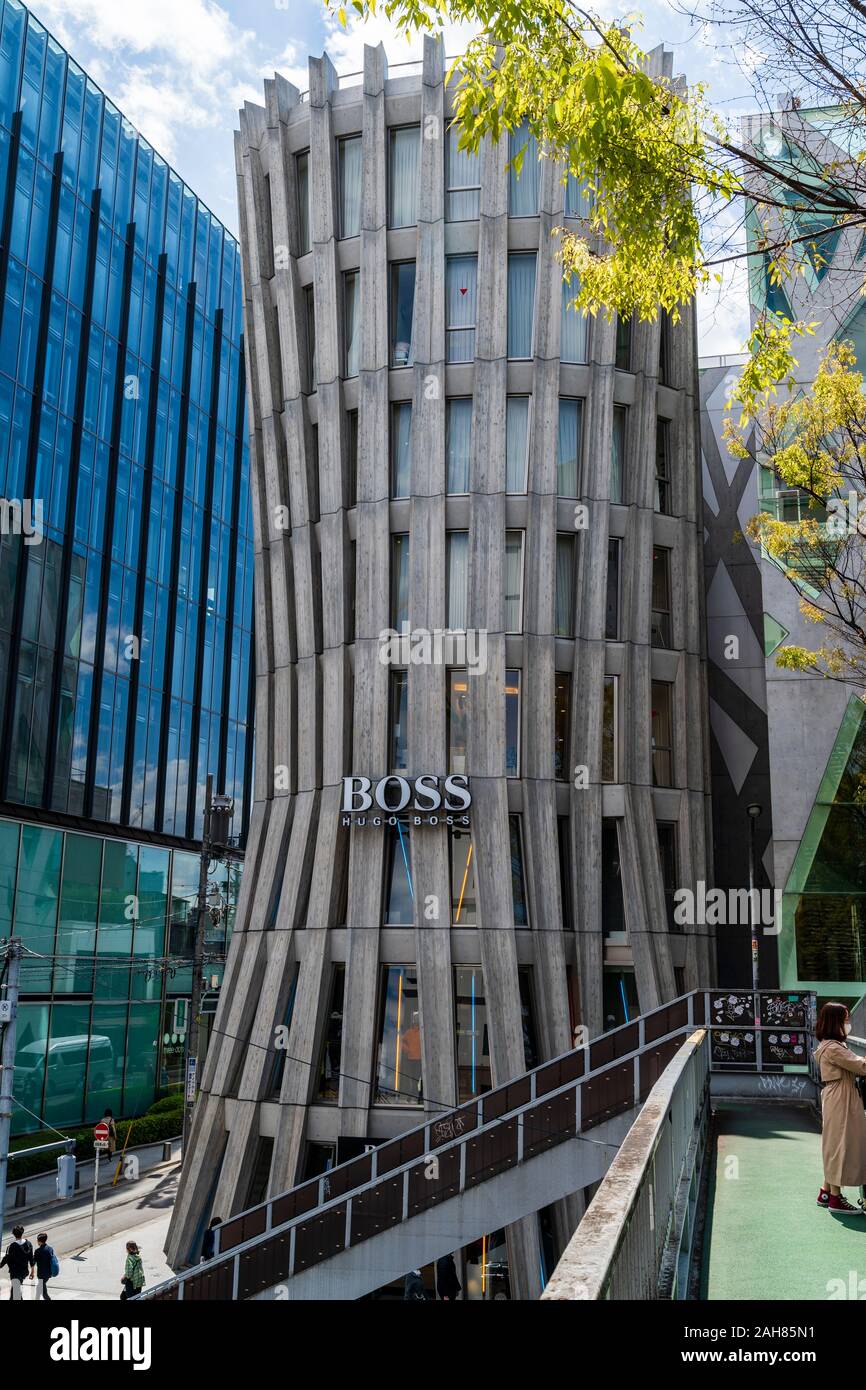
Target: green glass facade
109 924
822 943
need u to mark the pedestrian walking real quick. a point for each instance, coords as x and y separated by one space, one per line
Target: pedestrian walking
208 1245
133 1272
18 1260
413 1288
46 1265
108 1119
448 1285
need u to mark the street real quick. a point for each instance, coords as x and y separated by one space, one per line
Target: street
137 1211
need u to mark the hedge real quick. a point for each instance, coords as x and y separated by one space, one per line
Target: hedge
148 1129
167 1104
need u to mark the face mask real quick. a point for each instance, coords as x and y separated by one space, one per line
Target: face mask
847 1029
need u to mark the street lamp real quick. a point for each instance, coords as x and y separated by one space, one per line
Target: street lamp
754 811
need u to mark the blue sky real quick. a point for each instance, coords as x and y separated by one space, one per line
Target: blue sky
179 69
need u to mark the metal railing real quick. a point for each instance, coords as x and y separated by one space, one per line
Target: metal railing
634 1241
470 1145
474 1142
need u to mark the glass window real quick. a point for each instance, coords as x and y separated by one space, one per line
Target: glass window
458 698
463 180
399 721
310 319
67 1062
664 349
521 303
9 836
523 180
512 723
516 443
611 612
472 1041
302 169
398 1064
568 447
332 1043
623 343
531 1054
458 443
518 884
350 164
612 909
513 581
402 313
564 599
260 1173
578 198
142 1058
30 1054
561 723
107 1058
352 326
275 1085
399 894
79 905
619 993
663 467
405 148
461 294
668 855
457 579
573 333
399 580
462 879
401 449
37 898
662 741
609 731
352 456
661 598
617 453
563 837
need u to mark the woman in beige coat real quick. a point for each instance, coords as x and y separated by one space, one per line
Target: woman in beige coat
843 1140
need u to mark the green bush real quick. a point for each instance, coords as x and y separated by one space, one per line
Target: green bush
148 1129
170 1104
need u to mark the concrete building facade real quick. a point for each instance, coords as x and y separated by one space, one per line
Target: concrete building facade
440 445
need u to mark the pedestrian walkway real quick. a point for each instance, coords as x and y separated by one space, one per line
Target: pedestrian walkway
765 1236
138 1211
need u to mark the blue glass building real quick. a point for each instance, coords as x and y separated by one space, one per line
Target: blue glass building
126 575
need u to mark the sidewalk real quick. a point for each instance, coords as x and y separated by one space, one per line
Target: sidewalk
42 1190
138 1211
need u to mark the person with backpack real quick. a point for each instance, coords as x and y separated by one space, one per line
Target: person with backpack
46 1265
19 1261
133 1272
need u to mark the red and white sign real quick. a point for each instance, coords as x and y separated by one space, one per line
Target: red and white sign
100 1135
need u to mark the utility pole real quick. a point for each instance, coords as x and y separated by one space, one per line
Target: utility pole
11 955
217 813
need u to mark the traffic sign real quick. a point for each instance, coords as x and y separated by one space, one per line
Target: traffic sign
100 1135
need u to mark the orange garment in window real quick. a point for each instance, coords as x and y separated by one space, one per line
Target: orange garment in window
410 1042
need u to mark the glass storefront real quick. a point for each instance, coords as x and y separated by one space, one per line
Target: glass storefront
398 1068
103 999
472 1042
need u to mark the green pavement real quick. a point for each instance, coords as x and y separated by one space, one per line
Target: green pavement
765 1236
